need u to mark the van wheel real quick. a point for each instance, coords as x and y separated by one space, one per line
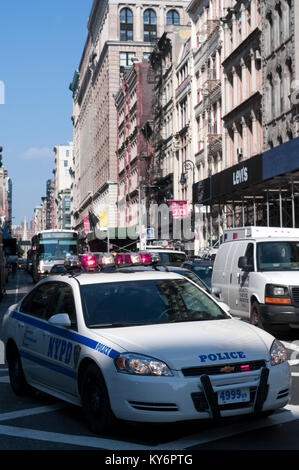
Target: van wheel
255 317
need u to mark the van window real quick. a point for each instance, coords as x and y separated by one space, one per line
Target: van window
249 254
278 256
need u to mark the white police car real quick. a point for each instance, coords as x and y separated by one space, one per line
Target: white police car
146 346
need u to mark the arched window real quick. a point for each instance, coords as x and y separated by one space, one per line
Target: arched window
126 24
150 25
173 17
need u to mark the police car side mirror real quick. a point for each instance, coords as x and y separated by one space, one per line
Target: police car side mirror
61 319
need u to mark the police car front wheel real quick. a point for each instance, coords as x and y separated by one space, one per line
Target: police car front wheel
95 401
16 374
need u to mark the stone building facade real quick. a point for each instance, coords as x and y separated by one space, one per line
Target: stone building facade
134 108
117 33
280 66
242 81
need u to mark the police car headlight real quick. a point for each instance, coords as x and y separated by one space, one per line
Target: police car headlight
278 353
141 365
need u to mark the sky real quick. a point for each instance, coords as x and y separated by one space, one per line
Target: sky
41 44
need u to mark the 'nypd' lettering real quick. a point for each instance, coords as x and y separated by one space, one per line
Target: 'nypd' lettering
222 356
60 349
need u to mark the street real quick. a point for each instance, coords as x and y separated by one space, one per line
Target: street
40 422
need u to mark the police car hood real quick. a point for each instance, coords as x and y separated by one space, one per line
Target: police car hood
286 278
194 343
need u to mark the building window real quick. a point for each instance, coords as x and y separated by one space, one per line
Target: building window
126 25
67 153
173 17
65 163
125 59
150 25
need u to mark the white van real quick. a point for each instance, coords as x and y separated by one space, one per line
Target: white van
257 272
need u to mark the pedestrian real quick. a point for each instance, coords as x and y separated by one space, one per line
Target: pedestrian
14 265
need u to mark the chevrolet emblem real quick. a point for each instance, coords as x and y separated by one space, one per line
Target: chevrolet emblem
227 369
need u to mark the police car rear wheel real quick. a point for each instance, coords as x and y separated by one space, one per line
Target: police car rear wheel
16 374
95 401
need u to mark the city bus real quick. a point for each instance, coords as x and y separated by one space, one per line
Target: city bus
50 247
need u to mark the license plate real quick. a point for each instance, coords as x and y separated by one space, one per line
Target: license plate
237 395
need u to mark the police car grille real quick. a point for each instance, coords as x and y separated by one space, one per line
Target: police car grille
148 406
220 369
295 292
201 404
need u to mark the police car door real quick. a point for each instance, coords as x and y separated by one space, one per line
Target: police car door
32 330
60 342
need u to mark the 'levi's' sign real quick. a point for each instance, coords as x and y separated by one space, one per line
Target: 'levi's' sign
240 176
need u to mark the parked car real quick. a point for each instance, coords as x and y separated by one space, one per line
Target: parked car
168 257
202 269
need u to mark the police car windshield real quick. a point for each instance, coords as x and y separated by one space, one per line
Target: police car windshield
146 302
278 256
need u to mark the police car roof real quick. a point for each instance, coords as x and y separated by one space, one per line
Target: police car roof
122 276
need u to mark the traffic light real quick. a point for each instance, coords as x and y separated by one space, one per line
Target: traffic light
1 149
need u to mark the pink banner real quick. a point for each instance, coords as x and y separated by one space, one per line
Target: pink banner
178 209
86 225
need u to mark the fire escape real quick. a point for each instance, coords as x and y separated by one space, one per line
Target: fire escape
159 186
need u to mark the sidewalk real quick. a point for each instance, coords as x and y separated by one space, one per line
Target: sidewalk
17 286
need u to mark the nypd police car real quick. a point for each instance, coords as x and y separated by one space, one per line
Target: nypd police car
145 346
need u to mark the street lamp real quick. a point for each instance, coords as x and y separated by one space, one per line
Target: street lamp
187 165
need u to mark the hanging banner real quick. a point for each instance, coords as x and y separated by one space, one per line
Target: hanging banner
86 224
103 220
178 209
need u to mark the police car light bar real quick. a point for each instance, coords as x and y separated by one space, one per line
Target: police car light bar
88 262
72 263
149 258
127 259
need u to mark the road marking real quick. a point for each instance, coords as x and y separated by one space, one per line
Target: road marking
4 380
294 362
294 346
289 413
31 411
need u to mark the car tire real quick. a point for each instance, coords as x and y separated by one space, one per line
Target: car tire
255 317
95 401
16 374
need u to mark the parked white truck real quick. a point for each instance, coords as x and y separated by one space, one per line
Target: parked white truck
257 272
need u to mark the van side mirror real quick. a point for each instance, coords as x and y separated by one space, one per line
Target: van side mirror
243 264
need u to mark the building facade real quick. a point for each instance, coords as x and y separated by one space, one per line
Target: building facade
280 67
63 163
116 35
134 108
